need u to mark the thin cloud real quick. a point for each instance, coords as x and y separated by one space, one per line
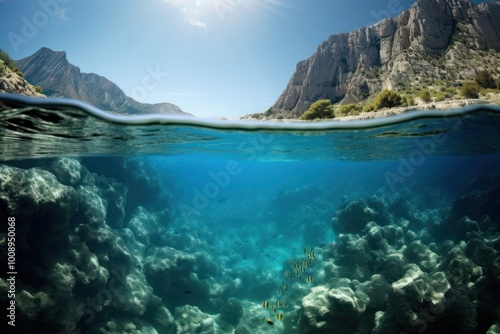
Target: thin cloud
190 9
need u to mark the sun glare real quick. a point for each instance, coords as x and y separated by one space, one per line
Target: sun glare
204 13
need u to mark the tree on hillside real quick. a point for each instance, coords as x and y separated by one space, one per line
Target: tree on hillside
484 79
388 99
319 109
470 90
425 95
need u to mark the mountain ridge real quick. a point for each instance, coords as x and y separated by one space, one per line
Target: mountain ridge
393 50
59 78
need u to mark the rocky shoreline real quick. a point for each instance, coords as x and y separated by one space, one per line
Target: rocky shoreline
441 105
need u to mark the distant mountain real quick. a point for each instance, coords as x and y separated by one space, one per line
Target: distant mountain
434 40
58 78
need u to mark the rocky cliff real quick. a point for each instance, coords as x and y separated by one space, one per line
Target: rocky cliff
11 82
434 39
58 78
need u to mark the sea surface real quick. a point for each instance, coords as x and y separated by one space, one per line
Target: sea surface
162 224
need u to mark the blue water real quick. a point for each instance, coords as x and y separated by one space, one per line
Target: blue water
179 225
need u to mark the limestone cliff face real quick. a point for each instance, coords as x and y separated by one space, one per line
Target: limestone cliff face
59 78
350 66
11 82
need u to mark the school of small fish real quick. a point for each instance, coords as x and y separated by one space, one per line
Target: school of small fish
297 267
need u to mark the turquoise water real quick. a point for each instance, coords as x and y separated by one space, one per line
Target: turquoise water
179 225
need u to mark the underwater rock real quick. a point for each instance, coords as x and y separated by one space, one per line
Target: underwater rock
390 266
230 314
115 196
480 252
495 271
355 215
148 227
420 254
122 325
458 268
315 311
189 319
377 289
464 226
336 310
160 316
166 266
67 170
353 254
479 203
494 329
134 296
92 208
41 205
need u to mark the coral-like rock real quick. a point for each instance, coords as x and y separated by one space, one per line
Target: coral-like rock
494 329
355 215
67 170
230 315
338 309
160 316
189 319
353 255
42 206
421 255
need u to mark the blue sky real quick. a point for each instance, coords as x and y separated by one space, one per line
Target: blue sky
210 57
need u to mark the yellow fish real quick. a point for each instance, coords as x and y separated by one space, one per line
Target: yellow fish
278 303
279 316
287 274
265 304
309 279
283 286
274 309
285 304
268 321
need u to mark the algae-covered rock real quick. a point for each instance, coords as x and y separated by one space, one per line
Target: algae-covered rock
40 204
67 170
355 215
189 319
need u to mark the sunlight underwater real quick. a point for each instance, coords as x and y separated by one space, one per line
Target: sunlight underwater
156 224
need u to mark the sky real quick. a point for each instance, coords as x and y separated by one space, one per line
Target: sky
212 58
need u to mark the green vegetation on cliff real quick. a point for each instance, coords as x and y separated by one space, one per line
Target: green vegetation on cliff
7 60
